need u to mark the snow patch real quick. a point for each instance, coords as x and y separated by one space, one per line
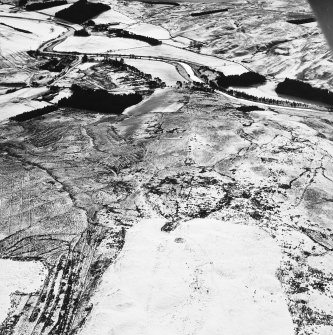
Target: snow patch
206 277
24 277
167 72
98 44
150 30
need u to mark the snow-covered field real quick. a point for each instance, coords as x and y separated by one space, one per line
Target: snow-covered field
98 44
149 30
264 91
190 72
23 93
162 100
23 14
13 41
112 16
25 277
165 50
206 278
167 72
11 109
18 102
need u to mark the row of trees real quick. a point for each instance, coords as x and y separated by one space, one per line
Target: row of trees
210 12
34 113
126 34
248 79
45 4
81 11
302 21
161 3
270 101
303 90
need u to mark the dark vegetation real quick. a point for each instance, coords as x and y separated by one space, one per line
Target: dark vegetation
35 113
303 90
301 21
210 12
46 4
269 101
126 34
98 27
81 32
81 11
247 109
22 3
17 29
90 23
57 64
196 45
100 101
246 79
161 3
243 95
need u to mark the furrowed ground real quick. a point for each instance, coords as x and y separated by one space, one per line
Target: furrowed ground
77 181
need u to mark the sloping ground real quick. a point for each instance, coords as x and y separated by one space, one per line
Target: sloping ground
253 32
167 72
75 182
206 277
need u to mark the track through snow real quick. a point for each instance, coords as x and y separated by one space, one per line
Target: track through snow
206 277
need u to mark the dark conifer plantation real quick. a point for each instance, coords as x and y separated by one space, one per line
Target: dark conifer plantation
99 101
81 11
44 5
303 90
244 80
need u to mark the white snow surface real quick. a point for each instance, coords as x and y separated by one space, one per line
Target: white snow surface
15 41
20 101
24 277
190 72
167 72
112 16
98 44
206 278
169 51
150 30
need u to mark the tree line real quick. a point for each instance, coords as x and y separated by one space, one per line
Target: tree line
126 34
100 101
246 79
34 113
44 5
121 65
210 12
